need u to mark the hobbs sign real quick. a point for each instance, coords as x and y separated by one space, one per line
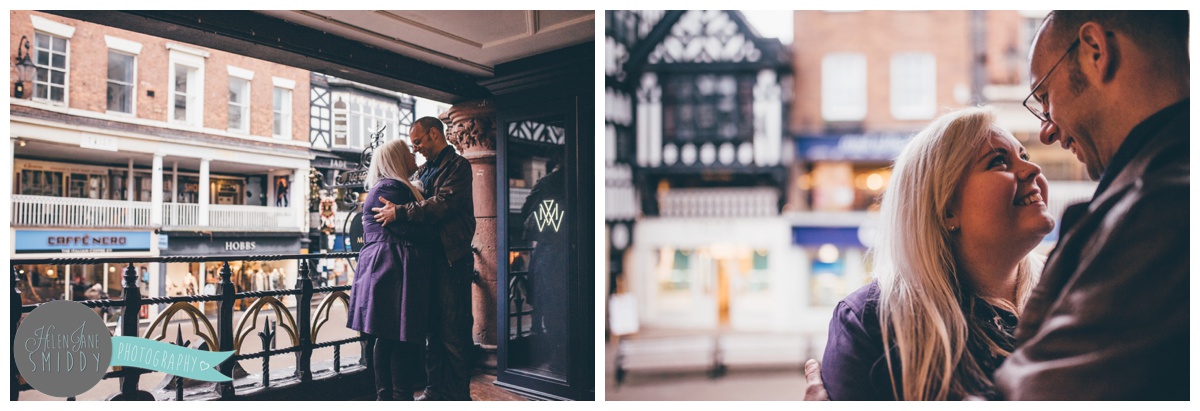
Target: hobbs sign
239 246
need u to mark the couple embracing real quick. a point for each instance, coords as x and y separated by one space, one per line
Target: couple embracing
413 283
960 309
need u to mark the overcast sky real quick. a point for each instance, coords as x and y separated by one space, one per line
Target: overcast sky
772 23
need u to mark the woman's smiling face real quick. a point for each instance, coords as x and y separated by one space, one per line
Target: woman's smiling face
1000 202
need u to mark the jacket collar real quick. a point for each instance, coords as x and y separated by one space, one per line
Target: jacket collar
1137 139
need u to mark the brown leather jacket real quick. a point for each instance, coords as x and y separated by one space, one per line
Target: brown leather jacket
449 204
1109 319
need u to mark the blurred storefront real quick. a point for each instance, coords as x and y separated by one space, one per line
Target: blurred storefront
695 123
201 278
43 282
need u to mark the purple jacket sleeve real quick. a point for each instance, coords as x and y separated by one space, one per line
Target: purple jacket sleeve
852 354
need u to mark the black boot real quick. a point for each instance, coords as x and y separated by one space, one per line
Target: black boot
402 370
384 390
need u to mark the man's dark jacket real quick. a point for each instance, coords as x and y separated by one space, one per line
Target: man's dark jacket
448 203
1109 319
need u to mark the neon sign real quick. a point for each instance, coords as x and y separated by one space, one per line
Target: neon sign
548 215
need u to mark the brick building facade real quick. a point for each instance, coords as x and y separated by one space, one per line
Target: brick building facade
113 114
866 82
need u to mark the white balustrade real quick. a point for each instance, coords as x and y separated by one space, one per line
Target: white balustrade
78 212
252 217
41 211
181 215
719 202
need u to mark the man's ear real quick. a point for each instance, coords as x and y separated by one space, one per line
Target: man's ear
1098 53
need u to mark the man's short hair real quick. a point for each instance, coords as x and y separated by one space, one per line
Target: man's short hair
1163 32
429 122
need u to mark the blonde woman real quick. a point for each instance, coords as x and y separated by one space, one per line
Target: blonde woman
953 268
390 296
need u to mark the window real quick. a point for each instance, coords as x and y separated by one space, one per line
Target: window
41 183
51 62
914 86
121 83
239 105
183 95
319 115
186 104
844 87
372 116
355 133
708 107
283 113
341 124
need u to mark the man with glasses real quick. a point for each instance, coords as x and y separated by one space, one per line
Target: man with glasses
1109 318
446 180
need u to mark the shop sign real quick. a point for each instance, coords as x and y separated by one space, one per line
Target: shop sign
80 241
356 232
231 245
548 215
851 147
240 245
334 163
98 142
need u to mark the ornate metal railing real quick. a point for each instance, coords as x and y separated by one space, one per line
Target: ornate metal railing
520 312
228 335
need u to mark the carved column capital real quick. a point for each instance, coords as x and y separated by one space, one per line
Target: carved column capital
471 126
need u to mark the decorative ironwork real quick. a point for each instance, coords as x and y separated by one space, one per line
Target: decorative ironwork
324 308
209 334
224 339
356 178
519 309
705 37
282 314
537 132
178 379
267 335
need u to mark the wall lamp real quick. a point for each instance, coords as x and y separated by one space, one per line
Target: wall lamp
25 68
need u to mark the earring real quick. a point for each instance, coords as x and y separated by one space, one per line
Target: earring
953 228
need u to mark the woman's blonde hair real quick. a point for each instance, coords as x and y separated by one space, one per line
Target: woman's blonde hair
924 300
393 160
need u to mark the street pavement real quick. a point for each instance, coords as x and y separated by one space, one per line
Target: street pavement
738 384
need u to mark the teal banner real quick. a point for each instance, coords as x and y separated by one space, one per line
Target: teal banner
168 358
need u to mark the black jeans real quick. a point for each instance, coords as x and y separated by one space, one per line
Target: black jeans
396 369
450 323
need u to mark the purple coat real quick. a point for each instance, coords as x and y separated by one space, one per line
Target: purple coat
855 369
390 295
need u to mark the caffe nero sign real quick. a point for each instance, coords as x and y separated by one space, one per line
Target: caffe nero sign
83 241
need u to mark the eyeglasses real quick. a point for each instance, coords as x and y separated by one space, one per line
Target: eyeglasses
1033 104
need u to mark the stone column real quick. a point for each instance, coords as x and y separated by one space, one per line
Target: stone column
202 202
156 195
470 126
